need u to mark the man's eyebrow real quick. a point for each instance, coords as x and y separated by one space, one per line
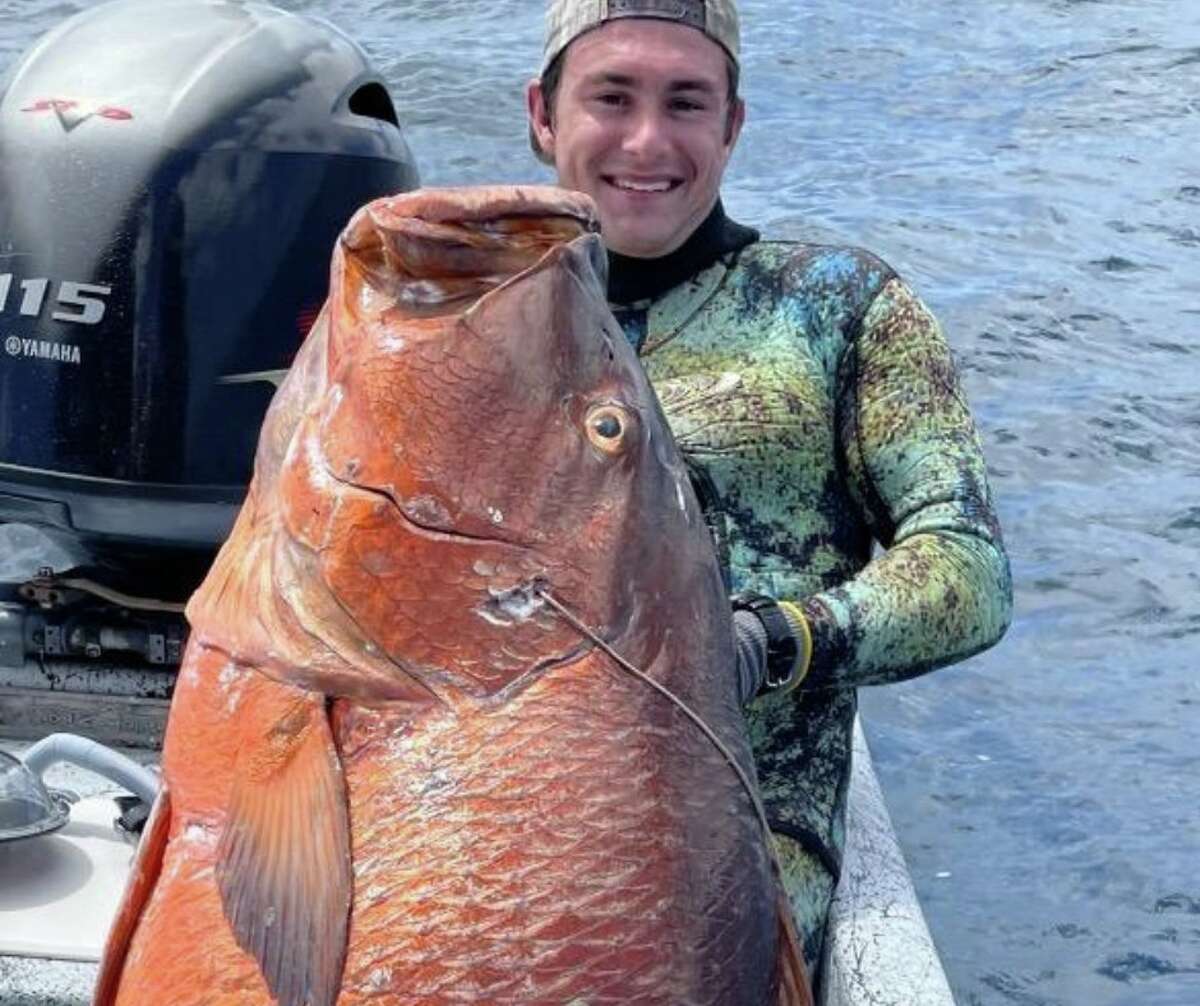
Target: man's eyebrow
615 79
707 86
626 80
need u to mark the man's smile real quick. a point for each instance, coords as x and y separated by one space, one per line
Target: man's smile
643 185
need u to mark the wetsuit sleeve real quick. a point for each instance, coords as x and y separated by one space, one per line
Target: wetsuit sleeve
942 589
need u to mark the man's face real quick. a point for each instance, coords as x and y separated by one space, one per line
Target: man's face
641 124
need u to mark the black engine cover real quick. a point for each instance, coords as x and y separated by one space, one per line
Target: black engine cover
173 175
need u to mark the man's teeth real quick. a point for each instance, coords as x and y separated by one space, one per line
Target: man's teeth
625 183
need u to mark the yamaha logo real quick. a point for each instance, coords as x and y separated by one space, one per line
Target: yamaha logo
42 349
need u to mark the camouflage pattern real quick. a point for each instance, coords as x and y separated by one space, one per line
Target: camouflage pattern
818 394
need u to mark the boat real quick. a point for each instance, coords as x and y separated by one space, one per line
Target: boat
111 508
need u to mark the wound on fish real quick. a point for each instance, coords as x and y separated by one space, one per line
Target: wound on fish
516 604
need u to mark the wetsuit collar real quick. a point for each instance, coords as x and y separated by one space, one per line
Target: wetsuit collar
636 279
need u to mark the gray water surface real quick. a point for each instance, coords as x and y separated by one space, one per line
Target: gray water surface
1032 167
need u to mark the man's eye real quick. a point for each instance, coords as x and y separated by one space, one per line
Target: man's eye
611 99
686 105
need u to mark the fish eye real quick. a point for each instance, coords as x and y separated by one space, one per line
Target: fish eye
606 426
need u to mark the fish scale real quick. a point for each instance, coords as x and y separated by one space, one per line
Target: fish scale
534 894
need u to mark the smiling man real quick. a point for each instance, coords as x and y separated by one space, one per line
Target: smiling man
646 127
811 392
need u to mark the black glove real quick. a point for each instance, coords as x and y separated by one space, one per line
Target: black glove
750 642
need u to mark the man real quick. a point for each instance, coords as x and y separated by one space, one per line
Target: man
811 392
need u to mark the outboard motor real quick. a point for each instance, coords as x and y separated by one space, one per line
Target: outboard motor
173 176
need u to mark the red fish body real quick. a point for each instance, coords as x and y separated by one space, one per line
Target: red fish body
394 774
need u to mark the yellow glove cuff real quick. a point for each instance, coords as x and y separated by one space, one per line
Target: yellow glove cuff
804 643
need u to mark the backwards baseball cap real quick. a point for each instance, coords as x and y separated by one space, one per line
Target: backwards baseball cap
566 20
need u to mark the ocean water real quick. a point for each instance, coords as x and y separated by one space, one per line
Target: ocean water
1033 167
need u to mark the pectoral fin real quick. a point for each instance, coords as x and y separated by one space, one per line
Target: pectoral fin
283 866
143 875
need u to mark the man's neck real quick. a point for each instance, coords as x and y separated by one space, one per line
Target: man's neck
635 279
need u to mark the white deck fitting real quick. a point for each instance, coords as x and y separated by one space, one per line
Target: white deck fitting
62 981
59 892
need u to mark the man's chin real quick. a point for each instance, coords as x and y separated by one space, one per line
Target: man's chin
638 245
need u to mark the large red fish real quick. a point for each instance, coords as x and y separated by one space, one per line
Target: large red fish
394 773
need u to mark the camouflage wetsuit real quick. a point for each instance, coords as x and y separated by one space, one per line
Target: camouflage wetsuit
819 396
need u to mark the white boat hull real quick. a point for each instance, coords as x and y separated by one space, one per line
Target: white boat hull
878 949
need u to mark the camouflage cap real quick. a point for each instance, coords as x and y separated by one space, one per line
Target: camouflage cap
566 20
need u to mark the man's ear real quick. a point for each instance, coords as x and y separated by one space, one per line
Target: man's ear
733 124
541 129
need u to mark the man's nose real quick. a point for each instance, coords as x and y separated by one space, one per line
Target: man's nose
647 132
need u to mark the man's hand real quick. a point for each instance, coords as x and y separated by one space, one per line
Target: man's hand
773 644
